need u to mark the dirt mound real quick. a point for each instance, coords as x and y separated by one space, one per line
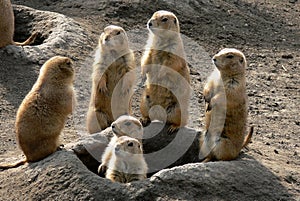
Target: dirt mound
63 176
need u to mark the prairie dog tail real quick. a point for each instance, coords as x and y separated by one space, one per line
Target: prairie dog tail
207 144
13 165
248 137
29 41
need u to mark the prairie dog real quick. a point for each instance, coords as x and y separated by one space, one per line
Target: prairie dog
7 26
44 111
125 125
226 108
168 75
129 126
113 79
127 162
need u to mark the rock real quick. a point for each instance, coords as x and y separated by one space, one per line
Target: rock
164 150
287 56
293 1
89 148
161 149
62 176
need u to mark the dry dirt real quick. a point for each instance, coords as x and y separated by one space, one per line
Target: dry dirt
267 31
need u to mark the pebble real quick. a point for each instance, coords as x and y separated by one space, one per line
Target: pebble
293 1
287 56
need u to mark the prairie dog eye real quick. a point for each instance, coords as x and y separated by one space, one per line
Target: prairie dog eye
164 19
130 144
119 32
68 62
175 21
230 56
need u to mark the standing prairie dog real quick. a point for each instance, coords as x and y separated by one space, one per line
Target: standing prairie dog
127 162
226 108
42 114
168 78
7 26
113 79
125 125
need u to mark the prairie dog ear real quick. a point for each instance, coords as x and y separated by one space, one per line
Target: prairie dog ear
175 21
242 60
101 38
68 61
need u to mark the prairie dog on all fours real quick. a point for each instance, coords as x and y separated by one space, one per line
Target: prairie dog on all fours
167 72
113 79
226 108
43 112
125 125
127 163
7 26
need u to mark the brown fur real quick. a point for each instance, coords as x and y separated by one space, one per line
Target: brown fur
7 26
127 163
226 108
113 79
43 112
124 126
167 72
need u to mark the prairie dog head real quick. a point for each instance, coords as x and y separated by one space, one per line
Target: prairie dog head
163 23
230 60
125 146
57 69
127 125
113 38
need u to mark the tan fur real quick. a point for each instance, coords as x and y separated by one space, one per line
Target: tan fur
13 165
168 78
113 79
7 26
226 108
127 163
43 112
125 125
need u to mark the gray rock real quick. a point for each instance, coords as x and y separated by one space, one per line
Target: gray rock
165 150
161 149
89 148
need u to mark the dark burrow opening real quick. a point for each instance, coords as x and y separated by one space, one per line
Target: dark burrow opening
25 26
